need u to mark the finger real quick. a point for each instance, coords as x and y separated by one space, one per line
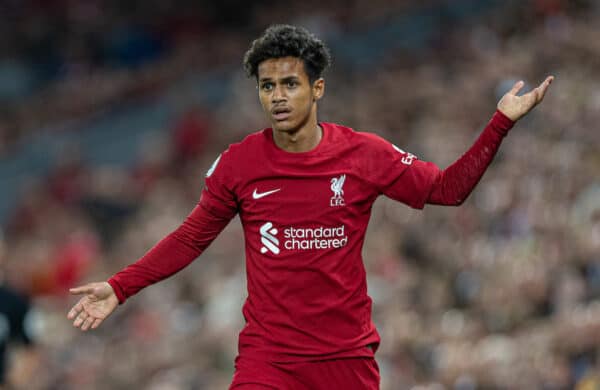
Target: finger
96 323
534 96
87 323
75 310
87 289
80 318
543 87
516 88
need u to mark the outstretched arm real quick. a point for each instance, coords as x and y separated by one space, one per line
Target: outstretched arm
170 255
454 184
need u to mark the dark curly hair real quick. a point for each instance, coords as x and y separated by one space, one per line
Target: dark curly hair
282 40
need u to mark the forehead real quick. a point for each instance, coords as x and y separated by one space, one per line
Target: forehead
276 68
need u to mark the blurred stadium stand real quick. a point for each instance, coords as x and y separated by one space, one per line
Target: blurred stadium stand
111 113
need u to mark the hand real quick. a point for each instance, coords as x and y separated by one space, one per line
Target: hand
98 303
515 107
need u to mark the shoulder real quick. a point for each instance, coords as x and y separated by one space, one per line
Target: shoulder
343 135
252 140
237 154
368 148
247 148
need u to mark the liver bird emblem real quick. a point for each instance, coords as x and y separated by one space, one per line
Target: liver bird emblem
336 186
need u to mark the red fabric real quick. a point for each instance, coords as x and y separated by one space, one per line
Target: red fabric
305 216
347 374
170 255
454 184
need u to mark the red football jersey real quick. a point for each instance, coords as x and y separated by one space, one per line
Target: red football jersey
304 217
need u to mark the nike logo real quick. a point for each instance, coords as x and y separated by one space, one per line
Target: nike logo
258 195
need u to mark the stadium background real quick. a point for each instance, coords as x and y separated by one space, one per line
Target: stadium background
111 112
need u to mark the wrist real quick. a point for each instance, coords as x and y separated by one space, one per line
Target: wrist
501 122
116 288
508 115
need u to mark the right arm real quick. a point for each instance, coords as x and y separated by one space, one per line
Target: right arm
169 256
216 208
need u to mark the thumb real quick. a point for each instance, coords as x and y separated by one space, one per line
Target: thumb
87 289
516 88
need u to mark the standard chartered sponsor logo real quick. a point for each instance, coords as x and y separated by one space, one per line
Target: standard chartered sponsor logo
268 239
302 238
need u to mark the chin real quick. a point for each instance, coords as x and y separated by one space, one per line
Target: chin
287 127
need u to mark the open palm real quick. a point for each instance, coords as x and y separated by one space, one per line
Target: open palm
515 106
97 304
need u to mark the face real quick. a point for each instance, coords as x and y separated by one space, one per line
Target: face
286 93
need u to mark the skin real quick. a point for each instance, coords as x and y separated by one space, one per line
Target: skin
98 302
282 83
515 107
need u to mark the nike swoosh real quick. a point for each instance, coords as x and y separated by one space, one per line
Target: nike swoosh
257 195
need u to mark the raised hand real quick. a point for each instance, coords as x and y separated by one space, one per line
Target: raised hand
97 304
515 107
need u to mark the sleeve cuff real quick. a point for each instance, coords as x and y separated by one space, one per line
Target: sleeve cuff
117 289
501 122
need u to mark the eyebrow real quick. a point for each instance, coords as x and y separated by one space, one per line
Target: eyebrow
284 79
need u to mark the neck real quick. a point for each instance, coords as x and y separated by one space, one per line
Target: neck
303 139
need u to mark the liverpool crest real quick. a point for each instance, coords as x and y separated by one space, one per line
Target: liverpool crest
337 186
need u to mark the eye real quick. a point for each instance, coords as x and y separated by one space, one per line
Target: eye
292 84
266 86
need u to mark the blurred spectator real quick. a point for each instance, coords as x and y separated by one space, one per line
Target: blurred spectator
15 327
190 135
500 293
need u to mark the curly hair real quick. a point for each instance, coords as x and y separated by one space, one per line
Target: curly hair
282 40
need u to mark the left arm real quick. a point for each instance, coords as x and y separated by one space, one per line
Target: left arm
454 184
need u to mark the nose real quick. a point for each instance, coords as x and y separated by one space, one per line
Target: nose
278 94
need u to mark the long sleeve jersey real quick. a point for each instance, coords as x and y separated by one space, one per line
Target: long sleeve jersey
304 217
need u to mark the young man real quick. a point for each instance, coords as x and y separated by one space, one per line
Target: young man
304 191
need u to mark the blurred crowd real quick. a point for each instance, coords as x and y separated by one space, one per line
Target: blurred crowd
500 293
66 60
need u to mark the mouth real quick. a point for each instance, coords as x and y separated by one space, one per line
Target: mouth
281 114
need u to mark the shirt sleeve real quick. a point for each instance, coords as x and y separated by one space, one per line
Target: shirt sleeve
171 254
454 184
399 175
405 178
216 208
218 195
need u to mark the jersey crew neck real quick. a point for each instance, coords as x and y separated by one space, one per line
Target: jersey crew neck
321 146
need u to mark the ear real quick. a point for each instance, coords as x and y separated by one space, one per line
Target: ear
318 89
